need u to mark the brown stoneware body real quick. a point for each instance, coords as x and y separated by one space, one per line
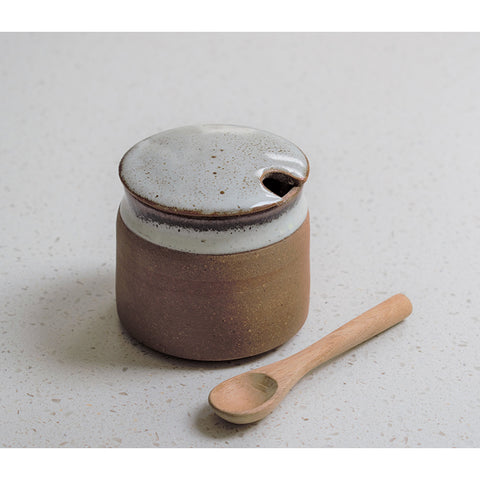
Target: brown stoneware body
212 283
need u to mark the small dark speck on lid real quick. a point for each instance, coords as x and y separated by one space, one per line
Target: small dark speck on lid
214 156
214 173
221 192
156 196
221 149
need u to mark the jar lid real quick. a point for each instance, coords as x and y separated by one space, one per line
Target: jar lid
214 170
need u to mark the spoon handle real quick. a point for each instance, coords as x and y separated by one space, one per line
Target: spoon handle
362 328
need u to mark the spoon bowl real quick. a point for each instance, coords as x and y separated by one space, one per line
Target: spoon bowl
245 398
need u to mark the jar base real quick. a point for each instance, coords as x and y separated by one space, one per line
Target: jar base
212 358
212 307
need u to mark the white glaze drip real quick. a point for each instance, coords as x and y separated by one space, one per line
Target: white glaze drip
216 242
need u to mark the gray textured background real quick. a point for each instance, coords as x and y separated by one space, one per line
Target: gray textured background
390 124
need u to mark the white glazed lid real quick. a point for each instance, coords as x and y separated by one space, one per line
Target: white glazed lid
214 170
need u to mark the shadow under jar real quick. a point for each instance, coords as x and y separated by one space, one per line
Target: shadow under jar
213 242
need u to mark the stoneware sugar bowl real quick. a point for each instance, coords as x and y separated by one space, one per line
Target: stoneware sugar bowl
213 242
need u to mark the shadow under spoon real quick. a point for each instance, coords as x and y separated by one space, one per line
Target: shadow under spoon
251 396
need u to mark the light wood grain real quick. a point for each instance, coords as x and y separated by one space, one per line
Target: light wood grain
253 395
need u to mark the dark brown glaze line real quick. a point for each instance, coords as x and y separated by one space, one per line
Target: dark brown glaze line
146 212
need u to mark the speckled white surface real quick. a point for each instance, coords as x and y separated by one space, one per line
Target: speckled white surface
210 169
390 126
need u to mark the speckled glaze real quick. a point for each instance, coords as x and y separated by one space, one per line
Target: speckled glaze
213 242
210 169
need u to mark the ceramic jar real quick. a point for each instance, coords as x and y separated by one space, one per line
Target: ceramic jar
213 242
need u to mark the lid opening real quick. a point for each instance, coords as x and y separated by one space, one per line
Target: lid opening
279 183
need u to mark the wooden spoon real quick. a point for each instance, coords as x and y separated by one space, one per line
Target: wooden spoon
251 396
